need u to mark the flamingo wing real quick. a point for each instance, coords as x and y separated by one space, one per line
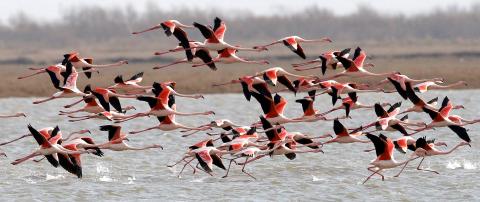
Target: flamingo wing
307 106
339 129
182 37
219 28
266 103
206 32
204 55
287 83
295 47
379 111
205 160
412 96
446 107
137 78
399 88
348 64
113 131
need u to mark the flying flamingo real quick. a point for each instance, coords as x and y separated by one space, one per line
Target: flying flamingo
116 140
355 68
168 123
68 90
309 113
206 154
214 39
336 89
343 136
228 56
157 108
49 146
131 85
293 43
274 74
201 54
384 149
105 96
104 115
327 61
224 124
426 148
274 108
387 120
351 103
87 63
93 107
404 143
429 85
174 27
250 83
440 120
399 82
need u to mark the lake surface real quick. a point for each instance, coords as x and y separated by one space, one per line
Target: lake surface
335 175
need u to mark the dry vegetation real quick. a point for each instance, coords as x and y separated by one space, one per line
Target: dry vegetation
440 44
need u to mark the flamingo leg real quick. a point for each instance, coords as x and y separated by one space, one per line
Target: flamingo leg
23 136
39 71
45 100
418 167
375 172
37 161
243 169
20 160
228 170
187 163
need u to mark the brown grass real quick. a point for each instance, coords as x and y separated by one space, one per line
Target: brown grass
199 80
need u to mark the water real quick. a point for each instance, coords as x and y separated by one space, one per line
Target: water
335 175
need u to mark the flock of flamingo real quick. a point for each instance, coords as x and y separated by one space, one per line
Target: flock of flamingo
241 145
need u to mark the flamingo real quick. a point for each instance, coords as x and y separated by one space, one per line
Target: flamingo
343 136
293 43
326 60
418 103
93 107
228 56
384 149
404 143
68 90
440 120
429 85
116 140
157 108
250 83
214 38
398 80
174 27
387 120
336 89
47 130
49 147
426 148
274 74
309 113
206 154
168 123
87 63
224 124
201 54
273 109
355 68
131 85
104 115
